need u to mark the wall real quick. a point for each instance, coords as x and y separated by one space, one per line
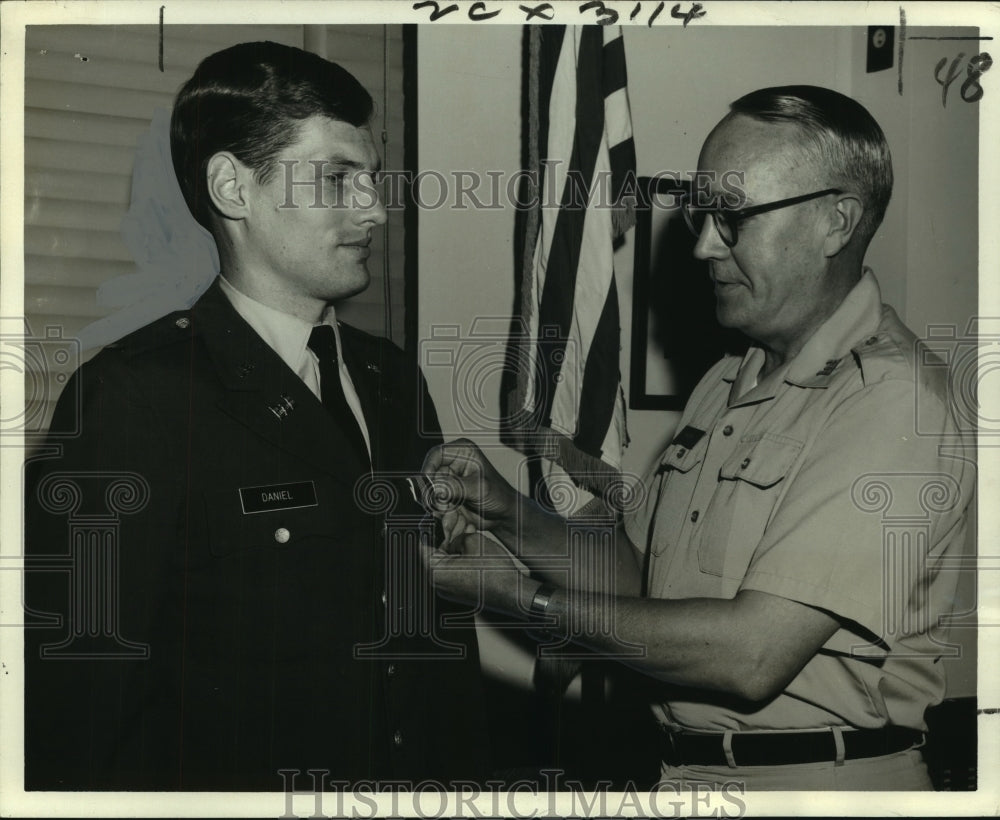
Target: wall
466 257
928 250
680 82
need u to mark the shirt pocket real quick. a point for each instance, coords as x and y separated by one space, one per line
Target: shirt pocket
679 471
322 516
750 482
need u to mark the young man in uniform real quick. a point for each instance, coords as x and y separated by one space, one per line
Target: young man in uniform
263 612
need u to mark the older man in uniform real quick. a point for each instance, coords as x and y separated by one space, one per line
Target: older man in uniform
250 627
796 642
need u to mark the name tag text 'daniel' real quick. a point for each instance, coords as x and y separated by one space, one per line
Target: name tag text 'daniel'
278 497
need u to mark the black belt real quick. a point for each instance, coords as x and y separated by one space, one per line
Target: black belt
785 748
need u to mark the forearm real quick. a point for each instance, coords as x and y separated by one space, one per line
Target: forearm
750 646
693 642
541 540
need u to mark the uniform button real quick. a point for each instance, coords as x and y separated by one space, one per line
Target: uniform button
383 597
745 463
390 670
281 535
727 430
183 322
681 452
397 738
694 516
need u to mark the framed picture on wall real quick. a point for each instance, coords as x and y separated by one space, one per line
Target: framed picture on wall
675 335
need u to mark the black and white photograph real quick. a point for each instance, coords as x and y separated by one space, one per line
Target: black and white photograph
466 409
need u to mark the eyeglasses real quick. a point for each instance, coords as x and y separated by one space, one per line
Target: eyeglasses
727 219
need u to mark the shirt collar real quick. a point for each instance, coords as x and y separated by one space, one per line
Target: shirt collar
856 316
745 378
285 334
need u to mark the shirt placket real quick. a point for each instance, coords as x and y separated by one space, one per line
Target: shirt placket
723 438
679 563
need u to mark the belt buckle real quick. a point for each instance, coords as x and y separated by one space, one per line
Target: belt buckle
727 748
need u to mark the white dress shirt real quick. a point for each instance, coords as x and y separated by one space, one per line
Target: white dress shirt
288 336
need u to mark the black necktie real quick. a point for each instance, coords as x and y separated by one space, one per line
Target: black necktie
323 343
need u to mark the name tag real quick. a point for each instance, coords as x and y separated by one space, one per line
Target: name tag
278 497
688 437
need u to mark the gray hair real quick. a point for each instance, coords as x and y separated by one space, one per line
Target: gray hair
843 135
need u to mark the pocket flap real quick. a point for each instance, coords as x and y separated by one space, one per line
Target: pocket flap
761 460
681 458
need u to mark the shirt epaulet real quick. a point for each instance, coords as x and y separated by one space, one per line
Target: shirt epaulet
881 357
170 329
369 341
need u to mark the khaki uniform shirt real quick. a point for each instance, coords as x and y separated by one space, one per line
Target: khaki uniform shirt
839 481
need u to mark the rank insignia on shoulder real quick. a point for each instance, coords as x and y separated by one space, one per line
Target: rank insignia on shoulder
829 367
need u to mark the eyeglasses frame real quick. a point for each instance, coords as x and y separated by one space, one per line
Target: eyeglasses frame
733 217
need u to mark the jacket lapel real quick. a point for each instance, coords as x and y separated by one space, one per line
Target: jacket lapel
391 422
264 394
366 376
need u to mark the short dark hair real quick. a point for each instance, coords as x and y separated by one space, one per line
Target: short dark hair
248 99
844 136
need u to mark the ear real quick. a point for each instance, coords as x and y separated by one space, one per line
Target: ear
227 178
846 215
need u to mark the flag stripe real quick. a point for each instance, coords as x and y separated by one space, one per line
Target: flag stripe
550 47
615 76
616 110
569 399
556 311
622 159
602 370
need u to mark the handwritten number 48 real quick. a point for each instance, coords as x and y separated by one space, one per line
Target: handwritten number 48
971 90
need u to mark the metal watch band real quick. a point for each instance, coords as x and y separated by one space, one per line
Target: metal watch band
541 599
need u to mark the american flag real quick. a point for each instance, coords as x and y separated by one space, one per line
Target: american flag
567 403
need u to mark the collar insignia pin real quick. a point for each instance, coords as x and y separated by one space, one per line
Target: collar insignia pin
282 409
829 367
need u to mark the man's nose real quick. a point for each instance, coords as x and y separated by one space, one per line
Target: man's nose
710 244
377 214
369 206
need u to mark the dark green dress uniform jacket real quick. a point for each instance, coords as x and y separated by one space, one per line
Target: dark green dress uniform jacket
220 579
